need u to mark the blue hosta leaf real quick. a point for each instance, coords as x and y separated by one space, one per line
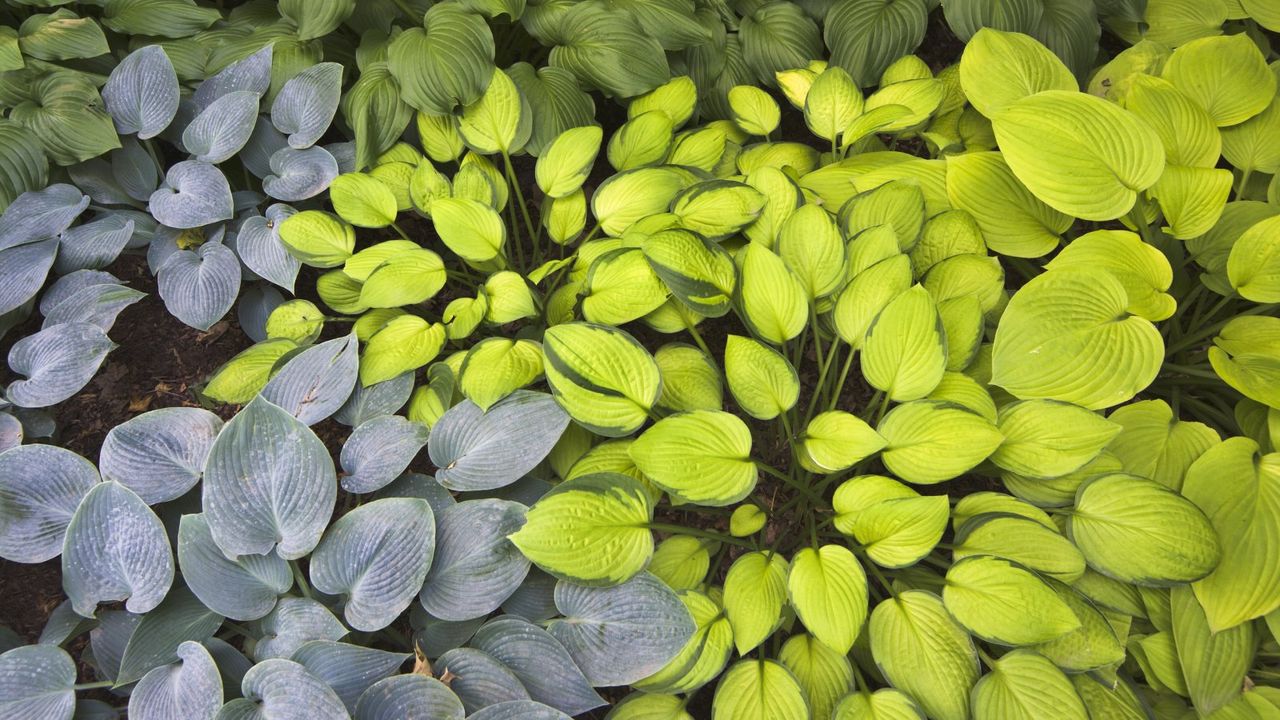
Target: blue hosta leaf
245 588
377 557
11 432
38 214
540 661
409 696
222 128
94 710
263 144
40 488
475 567
283 690
57 361
423 487
269 484
345 154
160 454
68 285
24 269
94 177
519 710
37 683
477 450
259 246
305 106
155 641
63 624
108 640
379 450
257 301
194 193
299 174
534 600
348 669
97 304
142 92
232 665
200 286
622 634
293 623
367 403
313 384
115 549
190 688
437 637
252 74
134 170
93 245
479 680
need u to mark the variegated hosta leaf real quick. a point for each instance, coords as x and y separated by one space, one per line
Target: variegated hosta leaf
115 549
269 484
293 623
479 680
222 128
24 268
252 74
475 567
94 244
348 669
299 174
40 488
406 696
142 92
305 106
57 361
619 635
160 454
279 688
37 682
39 214
200 286
379 450
313 384
190 688
259 247
377 557
245 588
478 450
540 661
194 194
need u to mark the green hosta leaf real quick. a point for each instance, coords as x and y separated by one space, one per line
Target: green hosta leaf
607 50
1110 154
1044 438
999 68
929 441
762 381
836 440
1098 356
676 98
567 161
1104 700
647 706
165 18
1240 492
771 298
318 238
1141 269
26 167
777 37
363 200
469 228
498 122
375 112
755 590
602 377
759 690
405 343
621 286
1225 75
1212 662
556 103
828 590
1004 603
866 36
591 529
701 457
699 273
446 65
61 35
1154 444
10 52
316 18
824 674
1024 685
1139 531
1192 198
1186 130
65 113
905 350
1013 221
924 653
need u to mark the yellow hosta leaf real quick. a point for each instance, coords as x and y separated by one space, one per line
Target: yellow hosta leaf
363 200
772 299
700 457
905 351
828 590
998 68
1226 75
565 165
755 589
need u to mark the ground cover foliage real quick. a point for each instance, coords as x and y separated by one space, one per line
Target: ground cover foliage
650 359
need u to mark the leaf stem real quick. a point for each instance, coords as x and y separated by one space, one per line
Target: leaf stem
301 579
514 182
93 685
695 532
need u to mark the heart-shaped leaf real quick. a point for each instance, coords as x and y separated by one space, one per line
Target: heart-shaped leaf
190 688
222 128
25 268
479 680
313 384
37 682
446 64
142 92
57 361
475 567
200 286
258 244
41 487
367 403
379 450
299 174
304 107
478 450
194 194
540 662
160 454
403 696
251 74
348 669
279 688
293 623
245 588
68 285
93 245
39 214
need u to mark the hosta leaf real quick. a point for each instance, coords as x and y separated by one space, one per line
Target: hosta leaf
759 689
479 680
601 376
222 128
1226 75
402 696
700 457
190 688
883 704
824 674
475 569
633 195
194 194
567 161
621 286
293 623
376 556
405 343
699 273
1026 541
1097 356
65 114
999 68
115 549
241 377
924 653
1013 221
1253 267
755 591
762 381
157 637
905 350
200 286
41 486
593 528
930 441
160 454
61 35
606 50
316 19
37 683
375 112
25 166
363 200
299 174
317 238
1138 531
93 245
772 300
498 121
1023 684
142 92
865 36
497 367
282 688
1044 438
540 661
349 669
478 450
556 103
618 635
25 267
245 588
518 710
251 73
828 590
165 18
472 230
313 384
1004 603
58 361
367 403
379 450
445 65
1212 662
1141 269
269 484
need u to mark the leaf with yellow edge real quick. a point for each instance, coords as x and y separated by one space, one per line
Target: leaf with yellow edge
772 300
621 287
824 674
1012 220
700 457
500 121
755 589
835 441
565 165
1226 75
363 200
592 530
810 244
1253 267
471 229
930 441
998 68
602 377
1239 489
1024 685
699 273
753 110
1078 153
762 381
1004 603
883 704
924 653
905 351
405 343
495 367
828 590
